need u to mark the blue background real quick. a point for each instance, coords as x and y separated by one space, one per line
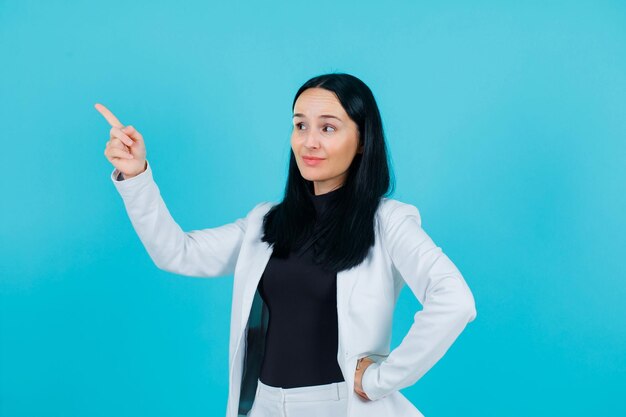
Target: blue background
506 126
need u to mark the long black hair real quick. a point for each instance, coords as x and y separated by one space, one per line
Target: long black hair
344 237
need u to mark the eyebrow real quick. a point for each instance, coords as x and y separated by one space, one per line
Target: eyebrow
323 116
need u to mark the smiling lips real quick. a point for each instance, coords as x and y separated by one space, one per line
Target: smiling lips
312 160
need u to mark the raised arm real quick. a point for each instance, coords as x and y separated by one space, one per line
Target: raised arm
209 252
199 253
448 305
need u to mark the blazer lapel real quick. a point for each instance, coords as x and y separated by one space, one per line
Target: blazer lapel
346 281
262 254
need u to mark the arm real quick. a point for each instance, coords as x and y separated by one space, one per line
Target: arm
448 305
200 253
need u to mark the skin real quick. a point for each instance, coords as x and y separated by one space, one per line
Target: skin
361 366
334 139
125 148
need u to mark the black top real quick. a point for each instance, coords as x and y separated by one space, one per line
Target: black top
302 336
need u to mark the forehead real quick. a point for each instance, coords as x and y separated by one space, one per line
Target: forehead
318 101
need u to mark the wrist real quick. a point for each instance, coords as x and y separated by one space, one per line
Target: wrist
128 176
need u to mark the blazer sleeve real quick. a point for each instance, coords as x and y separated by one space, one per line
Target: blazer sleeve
448 305
209 252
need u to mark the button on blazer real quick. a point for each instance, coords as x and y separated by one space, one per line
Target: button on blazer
366 295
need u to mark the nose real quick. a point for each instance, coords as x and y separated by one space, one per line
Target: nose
311 140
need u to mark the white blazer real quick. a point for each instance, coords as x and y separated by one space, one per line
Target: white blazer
366 295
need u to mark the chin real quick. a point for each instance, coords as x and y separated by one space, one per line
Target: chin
311 174
314 177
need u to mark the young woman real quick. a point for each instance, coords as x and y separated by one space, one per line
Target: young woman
317 275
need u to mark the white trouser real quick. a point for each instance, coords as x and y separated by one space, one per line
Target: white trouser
328 400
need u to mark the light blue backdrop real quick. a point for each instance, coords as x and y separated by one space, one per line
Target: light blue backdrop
506 125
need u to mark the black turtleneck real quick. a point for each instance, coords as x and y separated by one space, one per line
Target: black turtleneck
301 340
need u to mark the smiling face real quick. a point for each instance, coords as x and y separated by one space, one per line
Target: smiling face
323 129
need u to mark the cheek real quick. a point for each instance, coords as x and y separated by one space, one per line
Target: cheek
345 152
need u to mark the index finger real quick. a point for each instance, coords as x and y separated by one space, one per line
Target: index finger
113 121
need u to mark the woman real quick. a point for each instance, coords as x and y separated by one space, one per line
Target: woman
316 276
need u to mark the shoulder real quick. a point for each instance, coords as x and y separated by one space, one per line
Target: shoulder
391 211
261 209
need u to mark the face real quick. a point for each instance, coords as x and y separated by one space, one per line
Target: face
322 129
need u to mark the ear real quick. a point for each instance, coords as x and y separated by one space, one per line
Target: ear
360 149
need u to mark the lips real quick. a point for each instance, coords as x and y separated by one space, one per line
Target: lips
312 160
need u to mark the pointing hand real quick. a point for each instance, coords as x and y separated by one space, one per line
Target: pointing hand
125 148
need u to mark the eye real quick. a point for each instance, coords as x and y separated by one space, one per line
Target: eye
298 125
333 129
